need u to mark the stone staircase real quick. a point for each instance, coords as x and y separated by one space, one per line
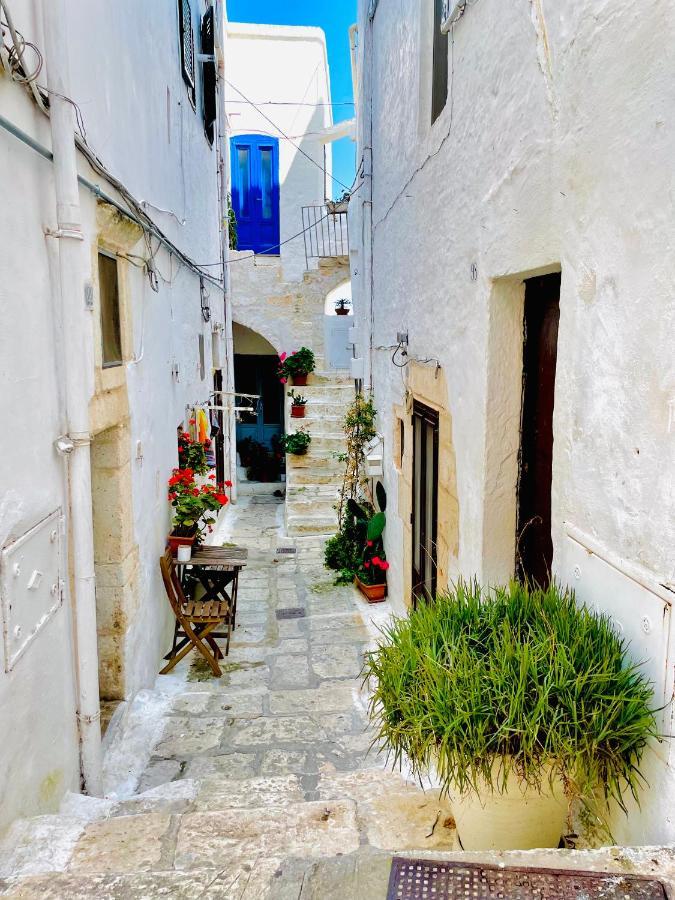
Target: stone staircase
313 481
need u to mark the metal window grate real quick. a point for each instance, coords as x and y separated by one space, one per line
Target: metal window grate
425 879
187 46
291 612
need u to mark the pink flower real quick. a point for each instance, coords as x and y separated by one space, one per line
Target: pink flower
369 543
377 561
282 357
384 565
366 565
283 380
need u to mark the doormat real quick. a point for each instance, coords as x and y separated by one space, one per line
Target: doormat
426 879
291 612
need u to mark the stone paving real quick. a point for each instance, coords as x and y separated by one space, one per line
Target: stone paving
237 786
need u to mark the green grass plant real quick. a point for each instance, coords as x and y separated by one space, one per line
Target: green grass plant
518 675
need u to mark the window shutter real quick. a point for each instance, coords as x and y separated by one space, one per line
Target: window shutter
187 47
209 75
439 85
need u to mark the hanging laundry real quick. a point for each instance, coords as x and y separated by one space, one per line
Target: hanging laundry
203 426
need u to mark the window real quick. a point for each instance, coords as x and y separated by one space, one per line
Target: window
439 83
209 103
108 289
187 47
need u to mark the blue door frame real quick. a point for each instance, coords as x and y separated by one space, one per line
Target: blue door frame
254 160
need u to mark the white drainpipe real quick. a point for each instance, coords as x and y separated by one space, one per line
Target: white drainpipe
78 372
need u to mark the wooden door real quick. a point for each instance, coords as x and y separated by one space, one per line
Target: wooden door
255 192
424 515
534 554
258 375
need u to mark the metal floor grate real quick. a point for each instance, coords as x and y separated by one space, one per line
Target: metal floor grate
426 879
291 612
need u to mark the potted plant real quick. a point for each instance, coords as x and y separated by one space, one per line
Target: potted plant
521 700
342 307
296 442
298 403
296 366
192 504
191 454
371 576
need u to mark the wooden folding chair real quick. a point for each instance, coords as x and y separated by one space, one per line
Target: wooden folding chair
195 621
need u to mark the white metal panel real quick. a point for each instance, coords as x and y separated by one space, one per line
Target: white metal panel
31 588
640 607
338 345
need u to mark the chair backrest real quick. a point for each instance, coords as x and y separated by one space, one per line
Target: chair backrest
171 584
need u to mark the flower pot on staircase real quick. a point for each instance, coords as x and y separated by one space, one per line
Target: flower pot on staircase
297 410
299 380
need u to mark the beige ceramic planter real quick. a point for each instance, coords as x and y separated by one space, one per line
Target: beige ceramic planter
521 818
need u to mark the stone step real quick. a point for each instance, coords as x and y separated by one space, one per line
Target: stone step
308 492
311 524
316 410
316 460
308 509
310 477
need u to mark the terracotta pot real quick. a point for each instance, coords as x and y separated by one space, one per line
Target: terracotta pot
297 410
374 593
299 380
521 818
341 312
175 541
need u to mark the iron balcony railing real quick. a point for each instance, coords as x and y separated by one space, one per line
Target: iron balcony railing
325 232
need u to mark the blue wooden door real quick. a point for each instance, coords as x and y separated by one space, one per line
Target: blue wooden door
255 191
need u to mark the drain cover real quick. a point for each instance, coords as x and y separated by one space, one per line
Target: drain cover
281 550
424 879
291 612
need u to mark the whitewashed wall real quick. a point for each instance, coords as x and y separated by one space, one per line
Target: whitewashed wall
287 65
555 150
126 78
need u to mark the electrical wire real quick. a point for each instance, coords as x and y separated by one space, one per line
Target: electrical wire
283 133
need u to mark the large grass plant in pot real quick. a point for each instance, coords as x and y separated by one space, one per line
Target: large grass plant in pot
520 700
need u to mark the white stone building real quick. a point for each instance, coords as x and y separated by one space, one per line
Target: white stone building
519 172
112 306
292 251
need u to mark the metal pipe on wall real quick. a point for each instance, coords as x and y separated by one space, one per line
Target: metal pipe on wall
78 368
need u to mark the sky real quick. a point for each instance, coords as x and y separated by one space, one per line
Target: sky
335 17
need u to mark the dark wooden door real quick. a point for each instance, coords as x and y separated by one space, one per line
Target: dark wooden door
218 436
534 554
258 375
424 502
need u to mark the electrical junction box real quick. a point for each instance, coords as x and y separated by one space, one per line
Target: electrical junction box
356 368
452 12
31 586
218 349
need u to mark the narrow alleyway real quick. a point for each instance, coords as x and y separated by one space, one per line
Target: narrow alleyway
233 787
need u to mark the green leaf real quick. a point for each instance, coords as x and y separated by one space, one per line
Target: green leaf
376 526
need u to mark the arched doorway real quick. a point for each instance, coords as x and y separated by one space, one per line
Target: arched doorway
260 430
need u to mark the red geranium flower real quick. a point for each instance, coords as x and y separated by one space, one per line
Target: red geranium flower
212 477
376 560
366 565
384 565
369 543
228 484
222 499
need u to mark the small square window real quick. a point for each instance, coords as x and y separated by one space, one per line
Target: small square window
109 296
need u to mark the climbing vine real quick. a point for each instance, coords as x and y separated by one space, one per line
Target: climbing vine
359 428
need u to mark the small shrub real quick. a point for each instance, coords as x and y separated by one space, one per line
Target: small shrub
299 362
520 674
296 442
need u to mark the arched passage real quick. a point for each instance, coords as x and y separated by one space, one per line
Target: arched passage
258 431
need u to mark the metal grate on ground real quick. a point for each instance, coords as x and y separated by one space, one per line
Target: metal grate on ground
290 612
425 879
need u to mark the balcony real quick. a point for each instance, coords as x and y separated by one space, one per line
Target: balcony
325 231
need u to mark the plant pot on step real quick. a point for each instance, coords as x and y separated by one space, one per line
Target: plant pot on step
175 541
299 380
297 410
374 593
522 817
341 312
